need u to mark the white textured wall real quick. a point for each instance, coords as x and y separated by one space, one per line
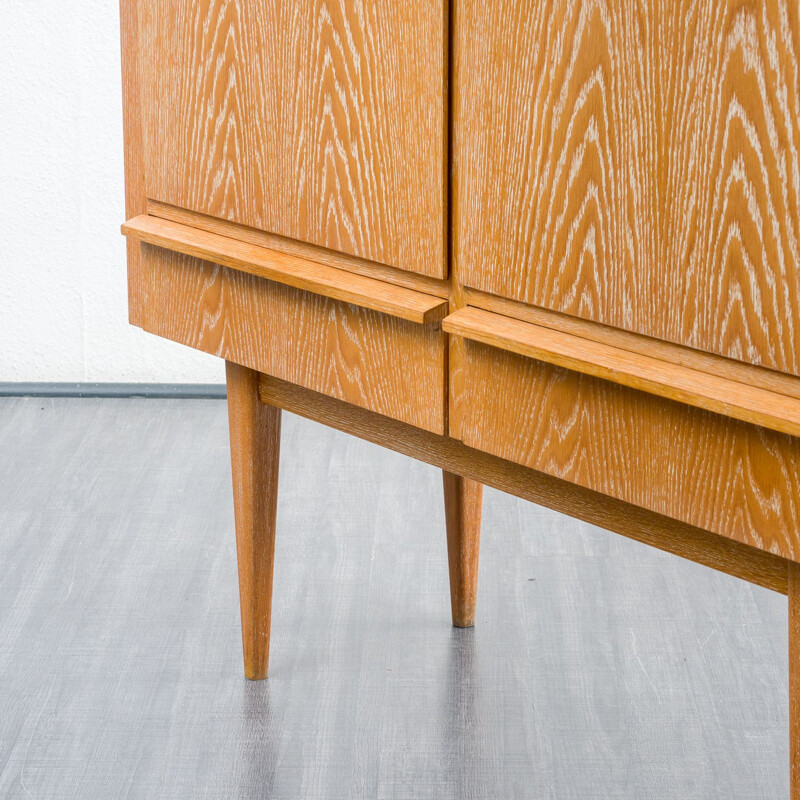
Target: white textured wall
63 314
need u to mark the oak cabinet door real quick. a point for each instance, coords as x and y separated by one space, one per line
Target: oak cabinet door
635 164
319 120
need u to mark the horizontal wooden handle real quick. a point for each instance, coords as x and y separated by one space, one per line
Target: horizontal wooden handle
693 387
302 273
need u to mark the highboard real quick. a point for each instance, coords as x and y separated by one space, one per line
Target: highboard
550 247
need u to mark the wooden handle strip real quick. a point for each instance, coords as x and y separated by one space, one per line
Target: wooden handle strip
638 371
296 271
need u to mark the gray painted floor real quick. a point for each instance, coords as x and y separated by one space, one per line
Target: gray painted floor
599 668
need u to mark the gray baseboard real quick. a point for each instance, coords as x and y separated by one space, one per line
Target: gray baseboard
184 391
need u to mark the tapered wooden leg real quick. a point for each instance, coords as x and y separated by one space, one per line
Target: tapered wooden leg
463 501
255 432
794 679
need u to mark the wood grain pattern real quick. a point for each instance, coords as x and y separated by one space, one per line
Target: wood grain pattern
714 472
463 504
643 525
289 270
321 121
321 255
135 191
635 164
635 370
379 362
255 434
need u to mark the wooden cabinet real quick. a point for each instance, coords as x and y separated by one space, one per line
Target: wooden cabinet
550 247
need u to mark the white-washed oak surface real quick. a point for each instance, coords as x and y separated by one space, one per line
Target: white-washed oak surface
635 164
322 121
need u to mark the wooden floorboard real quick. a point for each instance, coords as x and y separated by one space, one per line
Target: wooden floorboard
598 668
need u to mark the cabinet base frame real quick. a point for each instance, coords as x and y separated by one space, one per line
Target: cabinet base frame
255 436
465 470
451 455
